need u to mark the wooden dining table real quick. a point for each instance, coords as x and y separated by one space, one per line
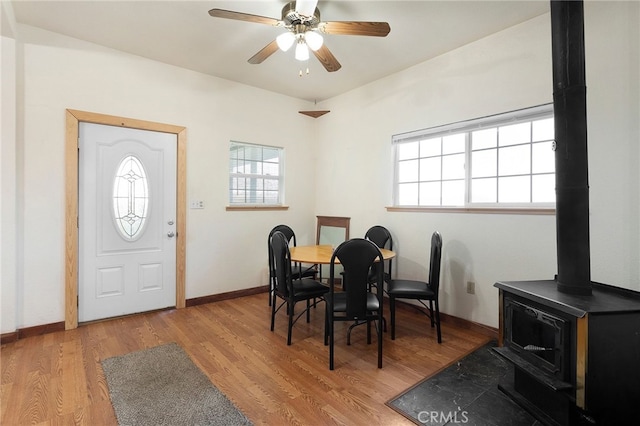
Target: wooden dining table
321 254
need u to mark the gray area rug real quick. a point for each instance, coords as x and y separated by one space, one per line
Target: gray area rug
162 386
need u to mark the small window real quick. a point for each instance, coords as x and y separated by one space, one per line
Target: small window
255 175
506 160
130 198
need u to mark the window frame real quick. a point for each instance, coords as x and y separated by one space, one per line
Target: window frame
280 178
467 127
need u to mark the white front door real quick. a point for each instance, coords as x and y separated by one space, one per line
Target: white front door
127 215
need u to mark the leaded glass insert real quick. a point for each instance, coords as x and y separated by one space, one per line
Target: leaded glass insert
130 197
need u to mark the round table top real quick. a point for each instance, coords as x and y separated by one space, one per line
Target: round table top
321 254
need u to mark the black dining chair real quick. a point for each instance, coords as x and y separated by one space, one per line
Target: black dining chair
357 302
297 270
381 237
288 289
420 290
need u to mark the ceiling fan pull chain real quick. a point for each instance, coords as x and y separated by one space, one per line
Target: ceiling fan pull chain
300 72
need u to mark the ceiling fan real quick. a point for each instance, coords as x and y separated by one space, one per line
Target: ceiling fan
301 19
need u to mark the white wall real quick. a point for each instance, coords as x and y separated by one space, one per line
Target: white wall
503 72
612 44
226 250
8 176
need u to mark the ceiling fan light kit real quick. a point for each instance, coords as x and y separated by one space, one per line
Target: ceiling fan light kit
313 40
285 41
302 51
301 19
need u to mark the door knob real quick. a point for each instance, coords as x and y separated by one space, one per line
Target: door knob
170 234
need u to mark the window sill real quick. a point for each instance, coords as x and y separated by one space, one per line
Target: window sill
255 208
475 210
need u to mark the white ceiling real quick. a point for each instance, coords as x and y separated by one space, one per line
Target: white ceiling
181 33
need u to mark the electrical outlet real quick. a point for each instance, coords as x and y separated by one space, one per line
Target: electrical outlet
197 204
471 287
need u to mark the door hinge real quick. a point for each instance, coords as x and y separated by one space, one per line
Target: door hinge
77 301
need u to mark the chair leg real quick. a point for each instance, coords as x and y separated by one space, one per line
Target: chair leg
326 323
438 322
273 310
369 332
384 320
290 315
351 327
309 306
379 331
331 344
392 308
355 324
431 313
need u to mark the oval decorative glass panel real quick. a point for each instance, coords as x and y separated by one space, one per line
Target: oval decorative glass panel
130 197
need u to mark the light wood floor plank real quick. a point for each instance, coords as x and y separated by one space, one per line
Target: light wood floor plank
57 379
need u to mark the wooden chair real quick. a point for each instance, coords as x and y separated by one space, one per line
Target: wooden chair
331 230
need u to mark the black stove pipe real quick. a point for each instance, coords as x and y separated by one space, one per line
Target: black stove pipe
570 111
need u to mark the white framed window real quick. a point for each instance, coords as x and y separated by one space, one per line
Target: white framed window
255 175
504 160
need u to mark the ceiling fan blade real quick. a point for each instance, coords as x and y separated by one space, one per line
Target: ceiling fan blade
306 7
376 29
327 59
264 53
239 16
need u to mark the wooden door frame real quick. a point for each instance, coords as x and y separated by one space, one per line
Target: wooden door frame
73 119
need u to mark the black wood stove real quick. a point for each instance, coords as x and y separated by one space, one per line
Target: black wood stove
576 358
574 344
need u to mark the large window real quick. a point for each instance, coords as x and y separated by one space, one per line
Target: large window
255 175
505 160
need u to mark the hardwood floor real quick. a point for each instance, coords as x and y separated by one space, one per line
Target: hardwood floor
57 378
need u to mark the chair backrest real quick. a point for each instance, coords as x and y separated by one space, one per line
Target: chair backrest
356 256
382 238
281 260
290 237
332 229
287 231
434 262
